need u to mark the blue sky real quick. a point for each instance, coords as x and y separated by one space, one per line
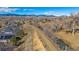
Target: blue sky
57 11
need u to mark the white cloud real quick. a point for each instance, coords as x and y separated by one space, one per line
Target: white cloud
54 13
6 9
28 9
41 13
48 13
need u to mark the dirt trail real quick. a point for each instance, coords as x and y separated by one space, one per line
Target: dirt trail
48 45
38 40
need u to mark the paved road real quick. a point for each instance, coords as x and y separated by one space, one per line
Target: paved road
7 48
14 29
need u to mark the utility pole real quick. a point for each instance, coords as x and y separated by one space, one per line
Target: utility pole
73 29
73 24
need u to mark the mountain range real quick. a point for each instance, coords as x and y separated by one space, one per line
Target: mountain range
23 15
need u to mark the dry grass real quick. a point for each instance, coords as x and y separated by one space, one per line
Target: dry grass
69 39
37 43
